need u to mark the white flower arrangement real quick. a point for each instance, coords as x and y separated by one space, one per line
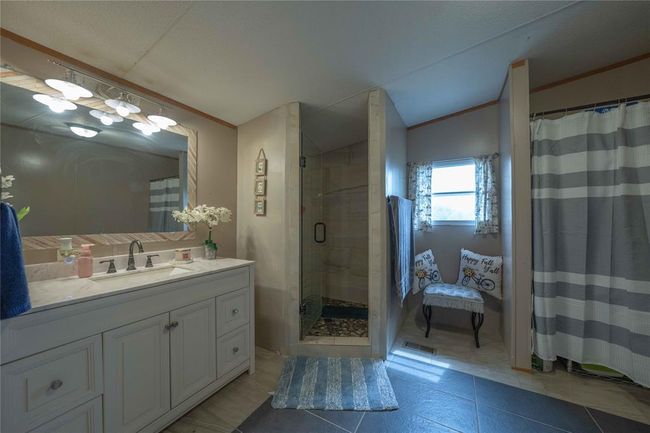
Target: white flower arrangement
7 182
209 215
202 214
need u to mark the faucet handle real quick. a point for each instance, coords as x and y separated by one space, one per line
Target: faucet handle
149 264
111 266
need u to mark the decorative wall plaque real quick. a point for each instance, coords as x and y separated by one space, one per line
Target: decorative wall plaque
260 164
260 206
260 184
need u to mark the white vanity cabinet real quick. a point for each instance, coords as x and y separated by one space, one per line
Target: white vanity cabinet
132 361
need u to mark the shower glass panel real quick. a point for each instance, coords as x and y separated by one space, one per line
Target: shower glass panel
334 220
313 234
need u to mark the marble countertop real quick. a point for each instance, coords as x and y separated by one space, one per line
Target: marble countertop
59 292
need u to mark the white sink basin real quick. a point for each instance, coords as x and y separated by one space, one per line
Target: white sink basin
139 276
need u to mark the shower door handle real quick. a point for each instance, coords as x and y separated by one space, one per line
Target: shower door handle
320 233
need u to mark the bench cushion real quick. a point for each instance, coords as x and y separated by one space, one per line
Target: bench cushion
453 296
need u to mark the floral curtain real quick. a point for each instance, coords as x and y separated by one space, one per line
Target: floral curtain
486 210
419 190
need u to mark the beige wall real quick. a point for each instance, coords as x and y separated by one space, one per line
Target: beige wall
626 81
345 211
216 177
265 239
516 214
472 134
395 185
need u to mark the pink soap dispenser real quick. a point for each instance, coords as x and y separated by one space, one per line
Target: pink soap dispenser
85 261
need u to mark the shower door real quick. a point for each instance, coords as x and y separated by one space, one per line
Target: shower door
312 235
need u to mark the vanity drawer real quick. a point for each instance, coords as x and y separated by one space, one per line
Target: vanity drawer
86 418
43 386
232 350
232 311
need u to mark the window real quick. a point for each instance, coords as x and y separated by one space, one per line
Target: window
453 192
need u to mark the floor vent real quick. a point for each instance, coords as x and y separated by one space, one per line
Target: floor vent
420 347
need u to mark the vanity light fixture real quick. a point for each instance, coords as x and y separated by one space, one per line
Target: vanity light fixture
58 105
106 118
146 128
161 121
83 130
71 91
122 106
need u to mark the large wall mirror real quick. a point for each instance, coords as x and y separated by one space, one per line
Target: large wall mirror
90 178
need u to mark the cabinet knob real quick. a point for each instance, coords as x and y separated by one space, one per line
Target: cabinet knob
171 325
56 384
235 311
235 349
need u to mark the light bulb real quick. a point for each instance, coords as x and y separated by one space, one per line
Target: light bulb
57 105
43 99
82 130
70 95
122 110
104 117
122 107
162 121
71 91
146 128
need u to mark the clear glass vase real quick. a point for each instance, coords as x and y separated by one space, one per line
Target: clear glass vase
210 250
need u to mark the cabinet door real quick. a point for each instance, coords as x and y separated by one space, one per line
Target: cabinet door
136 374
193 349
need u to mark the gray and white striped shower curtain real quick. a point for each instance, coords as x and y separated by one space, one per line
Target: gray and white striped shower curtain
164 197
591 238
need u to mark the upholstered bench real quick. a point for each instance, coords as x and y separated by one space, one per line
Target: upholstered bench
453 296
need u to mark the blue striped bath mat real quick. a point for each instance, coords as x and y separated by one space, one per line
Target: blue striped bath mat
334 384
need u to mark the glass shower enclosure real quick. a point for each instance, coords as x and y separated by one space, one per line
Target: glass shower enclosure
313 234
334 220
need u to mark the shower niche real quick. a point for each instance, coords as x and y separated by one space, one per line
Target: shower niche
334 220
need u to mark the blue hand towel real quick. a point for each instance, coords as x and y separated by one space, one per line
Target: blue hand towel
14 294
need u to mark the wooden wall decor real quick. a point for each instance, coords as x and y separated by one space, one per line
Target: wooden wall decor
260 206
260 184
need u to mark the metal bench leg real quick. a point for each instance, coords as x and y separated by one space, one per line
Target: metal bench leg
477 322
426 310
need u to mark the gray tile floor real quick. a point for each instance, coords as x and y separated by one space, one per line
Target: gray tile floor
437 400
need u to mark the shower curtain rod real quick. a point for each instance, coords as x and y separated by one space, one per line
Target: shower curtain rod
584 107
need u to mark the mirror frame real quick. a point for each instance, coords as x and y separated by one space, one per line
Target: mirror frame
30 83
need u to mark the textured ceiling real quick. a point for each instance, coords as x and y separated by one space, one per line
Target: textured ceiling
238 60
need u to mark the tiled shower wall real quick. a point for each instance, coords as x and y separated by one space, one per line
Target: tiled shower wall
345 210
